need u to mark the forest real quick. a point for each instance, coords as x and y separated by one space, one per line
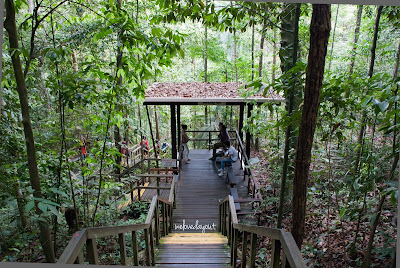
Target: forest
74 75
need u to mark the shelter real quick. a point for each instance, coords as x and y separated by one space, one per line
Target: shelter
207 93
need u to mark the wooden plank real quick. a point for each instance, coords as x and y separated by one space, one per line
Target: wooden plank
91 248
151 210
98 232
73 248
135 248
154 175
122 248
244 249
273 233
291 250
253 250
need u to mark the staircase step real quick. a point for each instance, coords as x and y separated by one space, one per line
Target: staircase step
194 238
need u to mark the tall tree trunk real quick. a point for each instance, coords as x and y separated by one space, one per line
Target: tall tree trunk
273 57
333 39
10 26
74 61
356 35
234 50
205 48
21 206
370 73
252 52
319 35
289 108
117 133
396 154
374 41
262 40
367 255
292 23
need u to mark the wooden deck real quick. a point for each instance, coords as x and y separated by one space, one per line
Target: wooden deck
197 198
199 191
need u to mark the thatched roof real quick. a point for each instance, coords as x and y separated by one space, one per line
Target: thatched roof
198 93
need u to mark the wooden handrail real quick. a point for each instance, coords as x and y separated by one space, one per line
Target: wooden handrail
229 226
73 251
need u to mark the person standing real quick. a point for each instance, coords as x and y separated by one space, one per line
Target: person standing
185 140
231 156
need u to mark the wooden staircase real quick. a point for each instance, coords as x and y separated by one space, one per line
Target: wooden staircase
194 250
200 197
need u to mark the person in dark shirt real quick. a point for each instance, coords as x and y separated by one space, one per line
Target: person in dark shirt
223 137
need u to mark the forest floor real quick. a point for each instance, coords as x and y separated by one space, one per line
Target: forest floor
327 236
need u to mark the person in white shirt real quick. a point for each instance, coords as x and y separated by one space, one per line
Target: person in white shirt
231 156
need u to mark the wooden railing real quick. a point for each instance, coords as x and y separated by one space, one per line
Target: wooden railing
149 174
253 187
158 223
230 227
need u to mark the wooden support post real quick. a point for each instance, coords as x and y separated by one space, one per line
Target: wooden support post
173 132
244 249
158 185
135 248
178 123
209 140
153 259
122 249
248 135
164 214
220 218
235 245
157 223
138 189
284 260
170 218
91 248
241 116
80 259
147 245
253 250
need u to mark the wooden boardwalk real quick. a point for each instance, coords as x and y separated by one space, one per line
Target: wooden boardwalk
197 200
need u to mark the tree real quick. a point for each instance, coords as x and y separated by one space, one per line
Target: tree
319 35
10 26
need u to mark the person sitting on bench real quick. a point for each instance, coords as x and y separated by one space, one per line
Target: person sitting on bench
231 156
223 136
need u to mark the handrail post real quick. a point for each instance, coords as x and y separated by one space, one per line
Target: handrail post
147 245
209 140
122 248
235 234
92 251
135 248
170 218
253 250
244 249
157 223
152 244
164 215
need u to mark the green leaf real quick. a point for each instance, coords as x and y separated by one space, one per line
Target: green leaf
53 210
42 206
393 198
56 191
342 211
383 105
29 206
